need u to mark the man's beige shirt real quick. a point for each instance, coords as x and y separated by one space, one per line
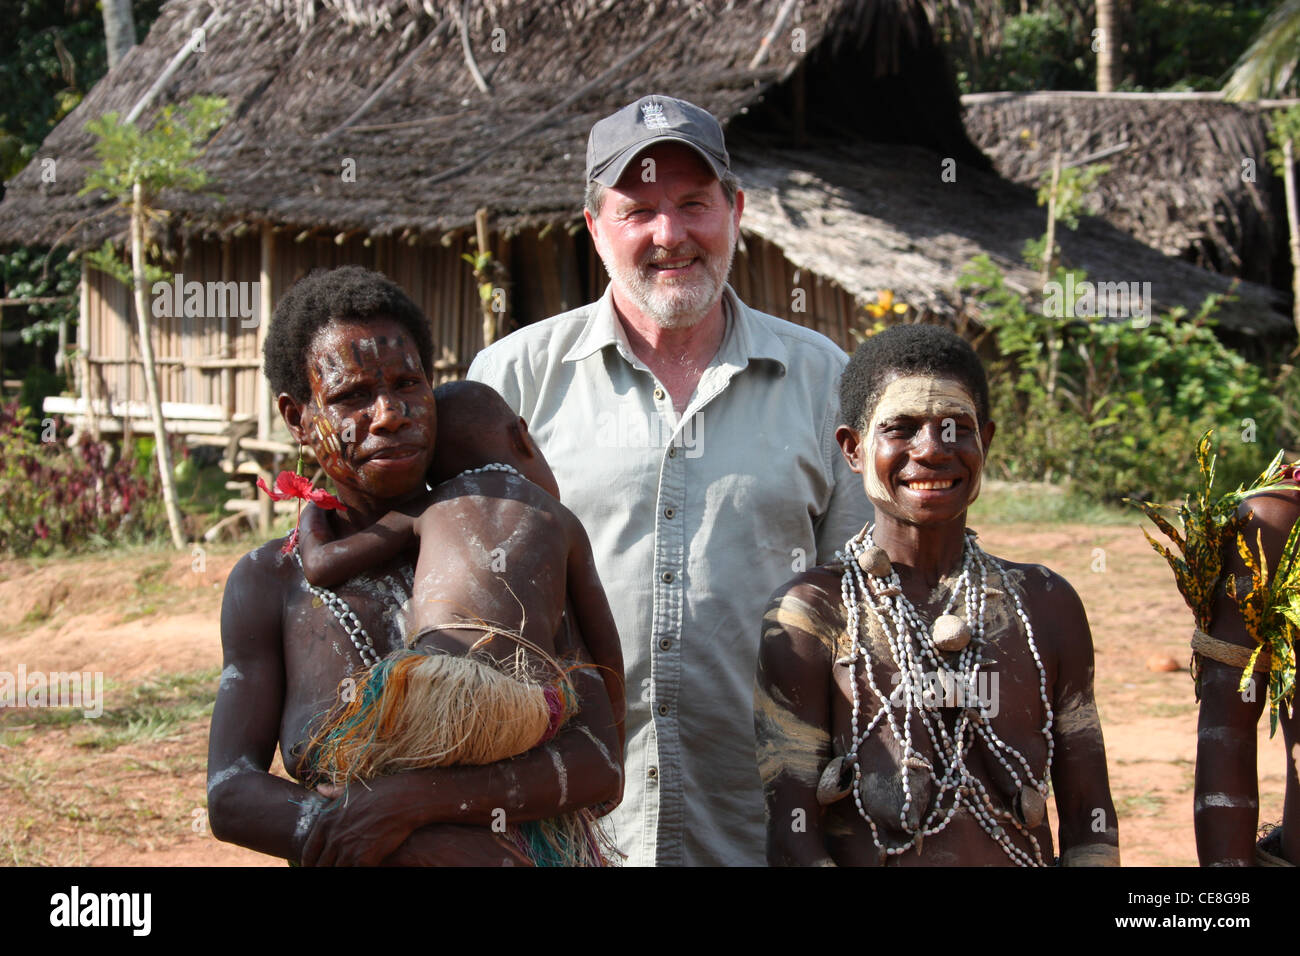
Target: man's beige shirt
694 521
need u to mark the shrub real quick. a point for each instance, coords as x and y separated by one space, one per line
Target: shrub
53 495
1114 410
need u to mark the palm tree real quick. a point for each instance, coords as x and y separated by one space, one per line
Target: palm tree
119 29
1267 68
1108 74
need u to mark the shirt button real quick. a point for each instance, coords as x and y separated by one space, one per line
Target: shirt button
659 394
672 451
665 645
668 577
669 512
652 773
663 710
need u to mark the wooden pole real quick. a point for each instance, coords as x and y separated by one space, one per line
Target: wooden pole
265 400
88 375
1049 250
162 449
227 352
1293 221
1049 262
483 274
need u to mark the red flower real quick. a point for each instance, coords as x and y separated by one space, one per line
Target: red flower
290 485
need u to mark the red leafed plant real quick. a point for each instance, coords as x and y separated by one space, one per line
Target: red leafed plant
56 495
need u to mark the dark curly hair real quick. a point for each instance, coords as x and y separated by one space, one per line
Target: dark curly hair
349 293
911 350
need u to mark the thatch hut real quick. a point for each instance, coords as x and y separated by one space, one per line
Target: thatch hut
1192 182
371 132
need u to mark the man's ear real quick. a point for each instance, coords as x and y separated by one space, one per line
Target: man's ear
292 413
595 232
986 435
851 447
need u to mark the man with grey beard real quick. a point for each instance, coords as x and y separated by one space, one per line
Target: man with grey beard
695 439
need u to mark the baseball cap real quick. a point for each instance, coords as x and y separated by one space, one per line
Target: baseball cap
617 139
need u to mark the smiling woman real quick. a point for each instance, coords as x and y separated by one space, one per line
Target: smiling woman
960 684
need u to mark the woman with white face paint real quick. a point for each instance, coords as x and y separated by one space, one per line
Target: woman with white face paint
961 685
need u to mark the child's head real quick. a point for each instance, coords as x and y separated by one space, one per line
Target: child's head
476 428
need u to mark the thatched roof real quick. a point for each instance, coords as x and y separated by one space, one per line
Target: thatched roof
843 126
1180 186
309 89
824 214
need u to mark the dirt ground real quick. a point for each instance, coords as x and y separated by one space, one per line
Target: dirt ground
128 789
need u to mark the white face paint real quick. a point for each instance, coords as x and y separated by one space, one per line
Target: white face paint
920 397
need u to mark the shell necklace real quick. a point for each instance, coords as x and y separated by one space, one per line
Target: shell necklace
917 652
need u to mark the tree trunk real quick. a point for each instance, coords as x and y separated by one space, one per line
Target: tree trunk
150 372
1108 73
1293 220
119 29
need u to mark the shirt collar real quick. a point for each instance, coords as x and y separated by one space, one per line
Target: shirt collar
746 339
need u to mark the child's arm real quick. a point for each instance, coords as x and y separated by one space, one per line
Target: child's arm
328 563
595 623
1089 832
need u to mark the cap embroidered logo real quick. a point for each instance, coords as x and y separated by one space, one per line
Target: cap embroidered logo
654 116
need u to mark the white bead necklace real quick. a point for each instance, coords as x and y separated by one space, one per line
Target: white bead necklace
913 652
347 618
490 466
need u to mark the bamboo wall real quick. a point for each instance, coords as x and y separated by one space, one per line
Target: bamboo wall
550 272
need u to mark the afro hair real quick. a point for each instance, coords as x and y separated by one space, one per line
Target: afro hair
349 293
908 350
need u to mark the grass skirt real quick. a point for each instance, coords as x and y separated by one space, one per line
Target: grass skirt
414 709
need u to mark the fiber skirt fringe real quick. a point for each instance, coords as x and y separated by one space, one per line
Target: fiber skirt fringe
414 710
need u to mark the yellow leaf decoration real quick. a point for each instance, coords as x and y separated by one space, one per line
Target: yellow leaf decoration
1270 607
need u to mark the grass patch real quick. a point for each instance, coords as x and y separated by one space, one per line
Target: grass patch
152 710
1139 805
1035 503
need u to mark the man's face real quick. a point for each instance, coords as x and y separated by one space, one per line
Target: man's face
922 454
667 244
371 419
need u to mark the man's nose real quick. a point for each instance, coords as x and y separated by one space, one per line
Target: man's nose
390 413
669 231
930 443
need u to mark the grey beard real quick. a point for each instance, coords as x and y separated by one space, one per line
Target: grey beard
673 307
